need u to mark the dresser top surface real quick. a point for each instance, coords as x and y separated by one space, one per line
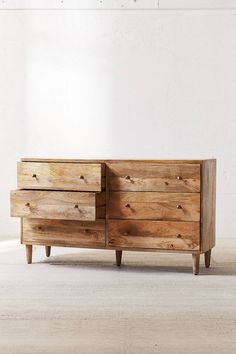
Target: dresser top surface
185 161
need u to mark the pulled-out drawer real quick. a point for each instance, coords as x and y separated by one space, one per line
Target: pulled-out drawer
167 235
58 205
88 177
154 206
148 176
67 233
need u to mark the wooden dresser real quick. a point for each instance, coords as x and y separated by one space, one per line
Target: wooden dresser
141 205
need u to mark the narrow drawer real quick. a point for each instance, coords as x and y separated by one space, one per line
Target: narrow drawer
61 176
58 205
66 233
168 235
154 206
148 176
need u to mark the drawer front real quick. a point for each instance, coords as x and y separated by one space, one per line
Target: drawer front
154 235
54 205
60 176
154 206
148 176
64 232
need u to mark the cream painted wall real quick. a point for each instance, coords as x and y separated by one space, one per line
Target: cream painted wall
122 84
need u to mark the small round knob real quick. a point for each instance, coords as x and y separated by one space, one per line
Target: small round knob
27 204
34 175
179 236
179 178
179 206
81 177
76 206
127 205
166 183
127 177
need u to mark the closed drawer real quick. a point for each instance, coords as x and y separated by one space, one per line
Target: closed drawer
61 176
154 206
154 234
67 233
148 176
58 205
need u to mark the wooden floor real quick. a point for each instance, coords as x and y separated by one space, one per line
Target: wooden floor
77 301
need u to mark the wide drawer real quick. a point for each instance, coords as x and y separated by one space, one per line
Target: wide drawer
63 232
154 206
61 176
154 234
58 205
148 176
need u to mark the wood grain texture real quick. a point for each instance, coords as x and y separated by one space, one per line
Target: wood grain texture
66 233
208 204
136 176
154 234
154 206
108 161
60 176
57 205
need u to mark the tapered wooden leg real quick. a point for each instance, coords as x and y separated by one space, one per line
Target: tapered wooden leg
29 251
208 258
118 258
196 259
48 251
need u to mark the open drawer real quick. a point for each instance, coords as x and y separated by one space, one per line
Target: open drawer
83 206
85 177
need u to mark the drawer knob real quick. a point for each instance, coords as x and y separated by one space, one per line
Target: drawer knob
179 206
127 205
27 204
179 178
81 177
179 236
127 177
77 206
34 175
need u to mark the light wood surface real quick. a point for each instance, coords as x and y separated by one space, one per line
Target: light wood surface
154 234
155 206
29 252
145 205
196 260
54 205
64 232
108 161
59 176
136 176
208 205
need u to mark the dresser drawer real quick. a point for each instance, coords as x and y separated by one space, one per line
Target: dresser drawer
154 234
148 176
69 233
58 205
154 206
61 176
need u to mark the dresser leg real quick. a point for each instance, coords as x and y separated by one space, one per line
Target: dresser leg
29 251
196 259
118 258
48 251
208 258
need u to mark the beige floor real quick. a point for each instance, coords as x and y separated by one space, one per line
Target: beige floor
79 302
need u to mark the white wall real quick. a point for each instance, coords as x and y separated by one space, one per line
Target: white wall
13 125
127 84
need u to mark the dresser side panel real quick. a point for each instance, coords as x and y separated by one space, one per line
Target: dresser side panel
208 204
